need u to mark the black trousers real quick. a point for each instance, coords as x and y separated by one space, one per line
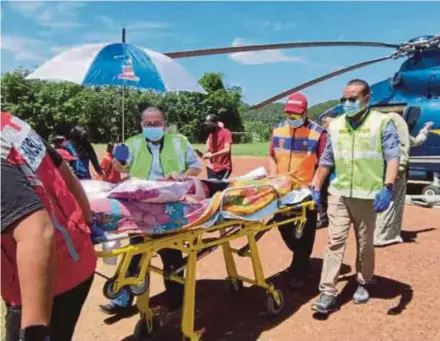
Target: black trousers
66 309
171 260
220 175
302 248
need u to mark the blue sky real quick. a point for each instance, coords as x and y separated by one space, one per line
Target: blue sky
32 32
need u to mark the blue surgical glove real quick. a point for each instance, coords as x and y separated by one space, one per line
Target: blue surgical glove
382 200
121 153
316 195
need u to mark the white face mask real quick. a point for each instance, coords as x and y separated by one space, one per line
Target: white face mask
295 123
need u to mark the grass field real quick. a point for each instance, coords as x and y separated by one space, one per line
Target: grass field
246 149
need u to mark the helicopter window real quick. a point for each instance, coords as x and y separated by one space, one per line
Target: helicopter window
411 115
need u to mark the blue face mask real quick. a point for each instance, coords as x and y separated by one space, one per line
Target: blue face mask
352 109
153 133
295 123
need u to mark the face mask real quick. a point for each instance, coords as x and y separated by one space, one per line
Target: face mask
153 133
352 109
295 123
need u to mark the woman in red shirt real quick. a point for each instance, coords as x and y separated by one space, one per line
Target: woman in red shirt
110 173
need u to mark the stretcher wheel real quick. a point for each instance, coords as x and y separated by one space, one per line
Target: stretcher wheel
108 289
234 285
273 308
141 332
138 290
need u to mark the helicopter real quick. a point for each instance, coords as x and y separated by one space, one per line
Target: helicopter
413 91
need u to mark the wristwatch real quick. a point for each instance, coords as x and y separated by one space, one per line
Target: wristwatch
389 187
35 333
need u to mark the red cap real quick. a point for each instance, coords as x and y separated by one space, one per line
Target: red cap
65 154
296 103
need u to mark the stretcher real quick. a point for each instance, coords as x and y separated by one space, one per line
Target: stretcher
196 243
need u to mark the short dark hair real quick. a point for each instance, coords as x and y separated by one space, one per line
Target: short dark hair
358 81
153 109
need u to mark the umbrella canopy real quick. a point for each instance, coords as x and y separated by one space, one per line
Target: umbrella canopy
117 64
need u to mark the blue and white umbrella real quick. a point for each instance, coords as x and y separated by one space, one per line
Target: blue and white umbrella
117 64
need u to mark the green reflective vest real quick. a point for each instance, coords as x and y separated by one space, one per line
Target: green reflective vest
172 155
358 155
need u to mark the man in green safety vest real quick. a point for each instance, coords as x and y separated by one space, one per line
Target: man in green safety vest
156 154
364 148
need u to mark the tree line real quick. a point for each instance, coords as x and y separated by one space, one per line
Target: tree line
55 108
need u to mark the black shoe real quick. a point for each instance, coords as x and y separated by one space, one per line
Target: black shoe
114 309
361 295
325 304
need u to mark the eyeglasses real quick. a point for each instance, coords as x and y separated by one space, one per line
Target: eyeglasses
152 124
352 99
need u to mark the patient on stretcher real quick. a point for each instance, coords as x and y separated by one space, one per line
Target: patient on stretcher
158 207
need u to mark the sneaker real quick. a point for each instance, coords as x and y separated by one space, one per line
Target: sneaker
114 309
325 304
361 295
296 283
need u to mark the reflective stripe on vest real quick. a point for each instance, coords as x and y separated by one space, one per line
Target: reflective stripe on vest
295 149
172 155
358 156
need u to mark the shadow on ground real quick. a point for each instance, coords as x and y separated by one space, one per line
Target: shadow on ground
411 236
241 316
383 288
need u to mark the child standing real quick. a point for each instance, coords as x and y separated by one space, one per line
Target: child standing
110 173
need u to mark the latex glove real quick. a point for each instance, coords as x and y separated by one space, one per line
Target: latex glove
382 200
121 153
316 195
174 176
428 126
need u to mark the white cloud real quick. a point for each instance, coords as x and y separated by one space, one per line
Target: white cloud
278 25
56 15
23 48
260 57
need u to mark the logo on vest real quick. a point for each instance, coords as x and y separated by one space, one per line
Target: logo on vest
32 150
281 142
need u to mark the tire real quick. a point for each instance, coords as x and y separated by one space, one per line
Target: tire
272 307
138 290
431 190
234 285
108 289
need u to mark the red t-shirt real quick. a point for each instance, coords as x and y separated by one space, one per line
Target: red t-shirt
216 142
111 174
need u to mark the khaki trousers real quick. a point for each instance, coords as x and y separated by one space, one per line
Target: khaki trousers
342 212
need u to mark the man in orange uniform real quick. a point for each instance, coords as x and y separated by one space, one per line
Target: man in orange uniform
295 147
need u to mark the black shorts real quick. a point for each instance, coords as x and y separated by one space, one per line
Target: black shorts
219 175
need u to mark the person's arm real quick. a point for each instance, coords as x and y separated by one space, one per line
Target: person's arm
422 136
391 152
106 165
326 163
25 219
227 136
193 165
94 160
35 237
272 162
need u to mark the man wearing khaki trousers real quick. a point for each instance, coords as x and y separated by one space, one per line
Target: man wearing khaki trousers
363 146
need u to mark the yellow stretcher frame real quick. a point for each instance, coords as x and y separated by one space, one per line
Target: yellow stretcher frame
192 242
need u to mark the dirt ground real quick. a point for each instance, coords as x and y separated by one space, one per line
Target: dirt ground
404 306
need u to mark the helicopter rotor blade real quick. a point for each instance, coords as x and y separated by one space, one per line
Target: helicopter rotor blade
319 80
249 48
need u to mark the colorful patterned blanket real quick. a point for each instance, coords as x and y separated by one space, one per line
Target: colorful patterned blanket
241 198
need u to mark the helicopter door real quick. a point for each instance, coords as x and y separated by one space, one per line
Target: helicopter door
411 115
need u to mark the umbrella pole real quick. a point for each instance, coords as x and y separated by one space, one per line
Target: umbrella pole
123 114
